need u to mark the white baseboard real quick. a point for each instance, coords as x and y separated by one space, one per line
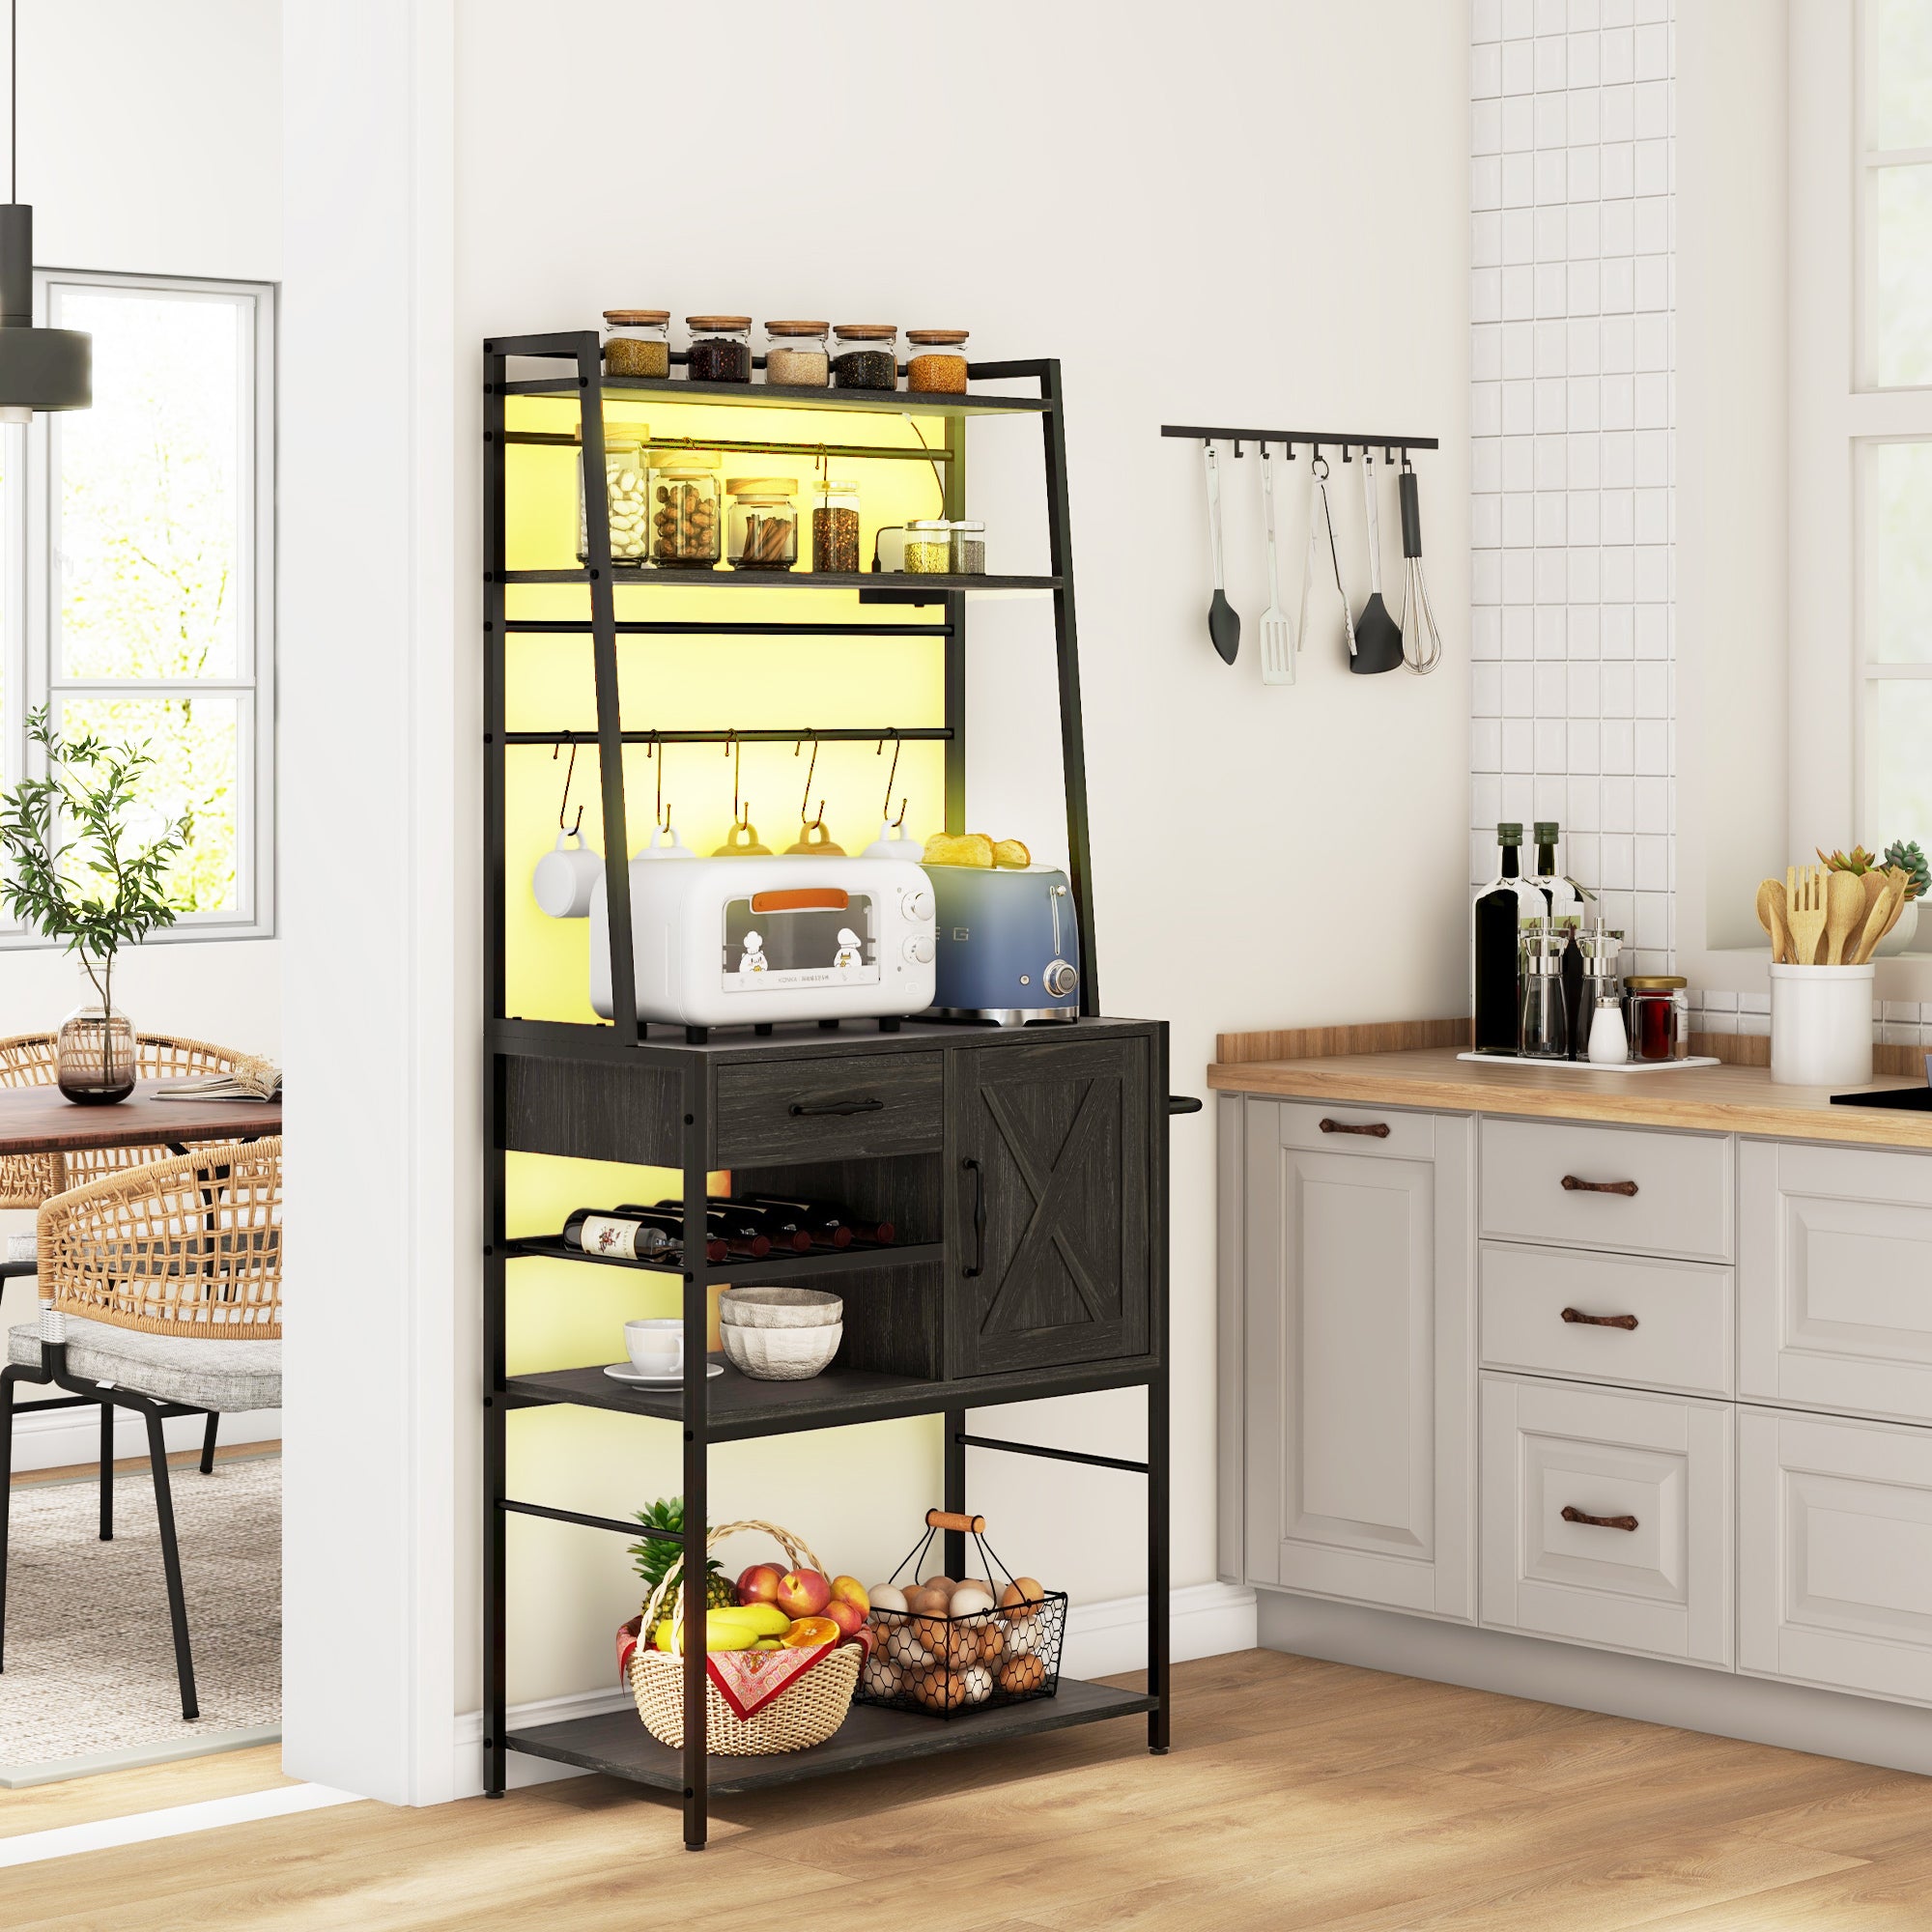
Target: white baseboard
1760 1710
67 1437
1102 1640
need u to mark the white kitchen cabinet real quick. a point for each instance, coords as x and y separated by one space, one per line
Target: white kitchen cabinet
1358 1364
1835 1552
1606 1518
1835 1280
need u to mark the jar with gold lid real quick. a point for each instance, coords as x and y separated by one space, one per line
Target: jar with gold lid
936 361
1659 1017
720 348
636 342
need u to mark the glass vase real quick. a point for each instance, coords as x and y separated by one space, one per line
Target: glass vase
93 1054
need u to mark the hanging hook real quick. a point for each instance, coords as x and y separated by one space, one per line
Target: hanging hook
741 813
564 805
805 804
892 776
660 813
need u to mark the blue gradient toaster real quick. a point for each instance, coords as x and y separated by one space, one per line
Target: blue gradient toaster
1009 944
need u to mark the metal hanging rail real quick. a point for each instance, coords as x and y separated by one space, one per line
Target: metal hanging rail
1317 440
802 734
849 452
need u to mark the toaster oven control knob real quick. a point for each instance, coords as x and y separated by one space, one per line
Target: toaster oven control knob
1059 978
917 907
918 950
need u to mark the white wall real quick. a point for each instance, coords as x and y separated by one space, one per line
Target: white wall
1265 224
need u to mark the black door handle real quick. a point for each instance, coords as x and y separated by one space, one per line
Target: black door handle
1183 1103
970 1166
799 1107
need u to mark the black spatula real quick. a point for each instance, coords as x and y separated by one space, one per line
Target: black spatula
1377 634
1224 621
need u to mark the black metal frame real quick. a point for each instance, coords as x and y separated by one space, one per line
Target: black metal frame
1315 439
627 1039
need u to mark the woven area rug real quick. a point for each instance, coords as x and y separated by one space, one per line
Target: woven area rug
88 1682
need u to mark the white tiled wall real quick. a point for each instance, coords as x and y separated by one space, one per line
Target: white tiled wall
1573 515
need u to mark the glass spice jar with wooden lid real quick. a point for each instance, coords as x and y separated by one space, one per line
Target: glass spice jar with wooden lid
765 522
685 533
626 488
720 348
795 355
636 342
865 356
936 361
834 524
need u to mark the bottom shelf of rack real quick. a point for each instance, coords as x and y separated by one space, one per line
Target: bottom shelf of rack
617 1743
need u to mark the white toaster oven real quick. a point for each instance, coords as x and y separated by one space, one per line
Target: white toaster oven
724 942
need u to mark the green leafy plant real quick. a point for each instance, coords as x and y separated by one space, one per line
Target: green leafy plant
1857 860
655 1554
1904 853
76 869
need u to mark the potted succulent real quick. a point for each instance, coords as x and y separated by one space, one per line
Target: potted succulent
77 871
1902 855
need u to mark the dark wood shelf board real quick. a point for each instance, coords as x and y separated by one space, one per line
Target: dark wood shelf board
904 587
775 396
618 1745
774 1268
737 1408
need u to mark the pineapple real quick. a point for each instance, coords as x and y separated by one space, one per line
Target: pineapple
1905 854
655 1555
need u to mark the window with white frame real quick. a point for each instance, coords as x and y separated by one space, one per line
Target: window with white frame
137 582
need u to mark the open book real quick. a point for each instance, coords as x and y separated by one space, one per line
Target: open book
250 1080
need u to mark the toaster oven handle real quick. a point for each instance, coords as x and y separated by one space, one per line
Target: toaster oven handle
803 1109
968 1165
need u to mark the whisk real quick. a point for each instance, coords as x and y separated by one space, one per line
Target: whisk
1421 640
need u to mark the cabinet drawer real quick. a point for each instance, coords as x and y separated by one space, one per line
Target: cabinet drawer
830 1109
1835 1552
1834 1279
1607 1317
1330 1127
1626 1188
1652 1572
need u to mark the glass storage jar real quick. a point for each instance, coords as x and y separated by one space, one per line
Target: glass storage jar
929 547
834 526
1659 1017
720 348
685 533
765 522
795 355
936 361
627 461
636 342
865 356
969 549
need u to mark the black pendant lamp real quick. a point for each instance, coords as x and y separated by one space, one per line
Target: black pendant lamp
40 368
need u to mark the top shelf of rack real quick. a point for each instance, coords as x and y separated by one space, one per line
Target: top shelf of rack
771 396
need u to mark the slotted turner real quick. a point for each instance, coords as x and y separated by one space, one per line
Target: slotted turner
1277 640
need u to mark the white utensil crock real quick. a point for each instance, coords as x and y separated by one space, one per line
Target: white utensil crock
1821 1026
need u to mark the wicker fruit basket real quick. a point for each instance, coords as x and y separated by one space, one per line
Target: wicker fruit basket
805 1713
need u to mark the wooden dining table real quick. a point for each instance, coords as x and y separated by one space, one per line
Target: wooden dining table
42 1120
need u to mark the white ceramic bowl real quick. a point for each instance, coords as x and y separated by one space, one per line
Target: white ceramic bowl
781 1354
780 1308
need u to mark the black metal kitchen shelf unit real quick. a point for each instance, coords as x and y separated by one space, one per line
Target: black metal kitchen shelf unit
985 1138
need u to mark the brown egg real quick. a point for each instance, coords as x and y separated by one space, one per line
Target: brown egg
1022 1674
962 1646
925 1602
944 1584
1030 1589
1011 1595
939 1689
992 1641
929 1634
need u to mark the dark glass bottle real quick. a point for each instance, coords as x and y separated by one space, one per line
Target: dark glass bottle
623 1233
1496 923
780 1228
671 1221
741 1232
829 1224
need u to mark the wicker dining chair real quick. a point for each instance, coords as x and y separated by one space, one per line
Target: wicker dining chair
26 1180
160 1292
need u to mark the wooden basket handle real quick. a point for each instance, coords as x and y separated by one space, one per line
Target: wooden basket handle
971 1525
795 1549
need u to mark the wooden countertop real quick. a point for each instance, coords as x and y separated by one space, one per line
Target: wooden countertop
1715 1099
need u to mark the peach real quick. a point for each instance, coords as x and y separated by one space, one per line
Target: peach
850 1617
802 1593
759 1585
849 1590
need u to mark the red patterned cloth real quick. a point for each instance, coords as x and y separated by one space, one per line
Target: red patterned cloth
747 1680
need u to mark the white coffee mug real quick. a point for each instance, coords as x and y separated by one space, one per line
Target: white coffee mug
894 843
656 1347
671 848
565 877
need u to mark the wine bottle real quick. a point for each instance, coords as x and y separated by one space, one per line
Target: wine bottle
672 1224
781 1229
599 1232
1495 945
738 1231
829 1224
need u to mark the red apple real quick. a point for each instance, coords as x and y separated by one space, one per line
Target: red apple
759 1585
848 1616
802 1593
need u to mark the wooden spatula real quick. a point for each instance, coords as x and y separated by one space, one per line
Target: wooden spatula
1844 915
1877 921
1804 908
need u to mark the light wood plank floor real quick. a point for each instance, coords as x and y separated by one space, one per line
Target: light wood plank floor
1298 1795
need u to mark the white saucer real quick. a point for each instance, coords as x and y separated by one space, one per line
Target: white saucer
625 1372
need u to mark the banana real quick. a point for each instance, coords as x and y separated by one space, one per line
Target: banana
766 1619
719 1635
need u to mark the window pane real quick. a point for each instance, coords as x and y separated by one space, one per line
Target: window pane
1898 762
148 544
1896 515
1899 238
195 742
1898 74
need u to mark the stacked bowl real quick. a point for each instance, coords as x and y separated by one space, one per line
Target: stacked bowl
779 1334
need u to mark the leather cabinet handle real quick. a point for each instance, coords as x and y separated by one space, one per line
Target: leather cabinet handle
1572 1514
801 1107
1377 1130
1600 1321
1627 1188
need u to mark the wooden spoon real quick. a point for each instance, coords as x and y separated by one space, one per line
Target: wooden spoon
1771 916
1844 914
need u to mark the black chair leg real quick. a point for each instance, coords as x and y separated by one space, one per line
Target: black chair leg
208 1443
164 1509
107 1472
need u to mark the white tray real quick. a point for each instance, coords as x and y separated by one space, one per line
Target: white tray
1590 1066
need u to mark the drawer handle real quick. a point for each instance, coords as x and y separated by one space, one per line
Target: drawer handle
1572 1514
1378 1129
1600 1321
979 1174
801 1107
1627 1188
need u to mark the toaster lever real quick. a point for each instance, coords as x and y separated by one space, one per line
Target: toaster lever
870 1106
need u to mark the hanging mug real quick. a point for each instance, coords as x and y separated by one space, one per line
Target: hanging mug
741 843
565 877
814 839
893 844
671 848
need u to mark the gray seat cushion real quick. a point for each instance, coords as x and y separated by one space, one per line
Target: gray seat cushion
225 1375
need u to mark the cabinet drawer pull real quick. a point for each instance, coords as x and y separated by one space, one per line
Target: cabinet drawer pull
1377 1129
1600 1321
1572 1514
1627 1188
802 1108
979 1174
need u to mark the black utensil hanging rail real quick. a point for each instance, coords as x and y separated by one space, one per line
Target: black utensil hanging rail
1317 440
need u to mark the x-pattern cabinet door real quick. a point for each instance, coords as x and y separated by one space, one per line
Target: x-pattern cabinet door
1049 1147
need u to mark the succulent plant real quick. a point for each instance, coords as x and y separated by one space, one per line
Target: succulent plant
1857 860
1904 853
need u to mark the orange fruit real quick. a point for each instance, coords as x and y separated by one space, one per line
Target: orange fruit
807 1632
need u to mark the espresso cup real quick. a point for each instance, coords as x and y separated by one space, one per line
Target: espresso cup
656 1347
566 876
